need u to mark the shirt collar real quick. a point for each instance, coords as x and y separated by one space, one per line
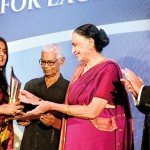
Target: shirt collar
59 82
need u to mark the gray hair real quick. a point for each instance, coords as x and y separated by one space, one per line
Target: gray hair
51 47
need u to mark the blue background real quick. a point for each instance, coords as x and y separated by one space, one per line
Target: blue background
130 48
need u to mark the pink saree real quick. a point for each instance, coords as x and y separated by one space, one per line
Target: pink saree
112 129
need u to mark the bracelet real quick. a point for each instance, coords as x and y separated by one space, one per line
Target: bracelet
67 111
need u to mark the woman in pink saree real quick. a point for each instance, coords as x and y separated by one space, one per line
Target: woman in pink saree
97 105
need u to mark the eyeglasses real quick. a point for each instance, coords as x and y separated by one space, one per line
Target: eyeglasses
49 62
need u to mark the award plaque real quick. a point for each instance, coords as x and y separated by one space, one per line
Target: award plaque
15 85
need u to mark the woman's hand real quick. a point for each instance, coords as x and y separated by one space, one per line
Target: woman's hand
42 107
11 109
27 97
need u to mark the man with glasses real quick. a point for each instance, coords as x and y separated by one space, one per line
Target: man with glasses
43 133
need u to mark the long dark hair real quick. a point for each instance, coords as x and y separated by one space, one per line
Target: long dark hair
91 31
3 80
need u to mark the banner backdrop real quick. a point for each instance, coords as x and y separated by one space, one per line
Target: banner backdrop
28 25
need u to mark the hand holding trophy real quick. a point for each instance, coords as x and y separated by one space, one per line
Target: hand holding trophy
13 106
15 85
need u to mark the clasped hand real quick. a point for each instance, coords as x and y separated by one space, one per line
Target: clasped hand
132 82
47 119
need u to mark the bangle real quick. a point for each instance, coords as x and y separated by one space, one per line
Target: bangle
67 110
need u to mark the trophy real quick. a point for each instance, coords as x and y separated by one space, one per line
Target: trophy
15 85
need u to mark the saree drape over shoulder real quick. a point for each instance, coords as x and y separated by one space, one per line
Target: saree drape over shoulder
112 129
